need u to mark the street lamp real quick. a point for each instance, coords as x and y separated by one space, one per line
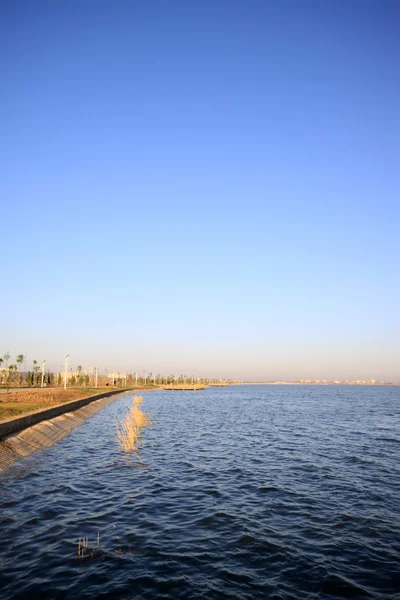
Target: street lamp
66 371
43 370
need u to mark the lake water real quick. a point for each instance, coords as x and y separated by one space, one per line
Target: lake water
248 492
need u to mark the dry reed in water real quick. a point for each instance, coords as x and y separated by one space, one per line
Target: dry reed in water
83 544
137 400
84 550
128 432
140 418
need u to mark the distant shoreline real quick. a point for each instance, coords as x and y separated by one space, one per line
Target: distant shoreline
316 384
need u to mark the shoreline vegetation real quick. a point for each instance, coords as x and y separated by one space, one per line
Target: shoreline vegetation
15 374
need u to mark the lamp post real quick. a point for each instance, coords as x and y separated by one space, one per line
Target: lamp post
65 371
43 370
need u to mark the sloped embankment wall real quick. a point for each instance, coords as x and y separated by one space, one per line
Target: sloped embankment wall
46 433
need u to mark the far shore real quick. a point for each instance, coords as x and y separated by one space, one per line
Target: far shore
313 383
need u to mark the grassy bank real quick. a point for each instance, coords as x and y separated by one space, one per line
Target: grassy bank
18 403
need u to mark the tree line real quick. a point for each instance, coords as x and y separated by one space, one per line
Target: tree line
12 374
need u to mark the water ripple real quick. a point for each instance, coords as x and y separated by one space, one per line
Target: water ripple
249 492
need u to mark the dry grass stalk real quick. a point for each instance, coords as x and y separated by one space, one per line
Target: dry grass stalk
83 544
128 432
140 418
137 400
83 547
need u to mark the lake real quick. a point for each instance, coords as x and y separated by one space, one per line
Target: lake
246 492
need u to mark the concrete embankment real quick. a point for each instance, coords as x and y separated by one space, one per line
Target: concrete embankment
21 436
14 424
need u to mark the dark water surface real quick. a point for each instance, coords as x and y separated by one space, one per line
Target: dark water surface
249 492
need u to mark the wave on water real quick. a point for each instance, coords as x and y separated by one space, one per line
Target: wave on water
248 492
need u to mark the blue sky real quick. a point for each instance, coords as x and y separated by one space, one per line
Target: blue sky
202 187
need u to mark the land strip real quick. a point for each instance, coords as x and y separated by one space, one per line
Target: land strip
19 402
47 406
182 387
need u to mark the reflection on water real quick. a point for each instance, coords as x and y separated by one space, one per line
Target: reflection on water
249 492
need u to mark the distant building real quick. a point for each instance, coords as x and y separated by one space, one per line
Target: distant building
70 374
117 377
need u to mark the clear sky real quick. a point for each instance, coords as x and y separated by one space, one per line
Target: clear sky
206 187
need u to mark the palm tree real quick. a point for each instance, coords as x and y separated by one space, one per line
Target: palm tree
35 370
80 376
11 370
20 360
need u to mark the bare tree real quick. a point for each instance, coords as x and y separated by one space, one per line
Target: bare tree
6 357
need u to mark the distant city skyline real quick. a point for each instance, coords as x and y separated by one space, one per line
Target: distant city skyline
166 368
204 187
